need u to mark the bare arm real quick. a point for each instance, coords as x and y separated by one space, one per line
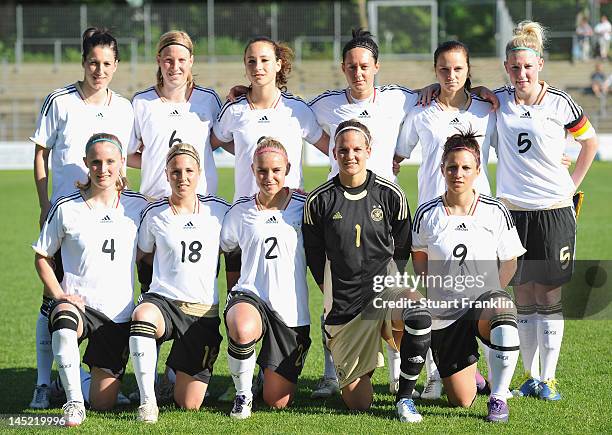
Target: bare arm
419 261
52 287
215 143
41 179
134 160
507 269
323 144
584 160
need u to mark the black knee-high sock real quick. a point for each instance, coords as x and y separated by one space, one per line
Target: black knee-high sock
415 343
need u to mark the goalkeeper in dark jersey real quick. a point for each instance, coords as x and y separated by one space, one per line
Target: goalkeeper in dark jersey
356 228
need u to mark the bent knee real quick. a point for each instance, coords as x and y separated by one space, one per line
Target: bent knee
189 404
357 403
99 403
276 402
462 402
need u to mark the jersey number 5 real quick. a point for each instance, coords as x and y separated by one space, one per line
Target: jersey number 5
523 143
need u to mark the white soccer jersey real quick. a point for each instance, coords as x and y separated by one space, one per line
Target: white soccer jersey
459 247
273 258
98 250
159 124
186 249
431 126
531 141
383 114
64 125
289 121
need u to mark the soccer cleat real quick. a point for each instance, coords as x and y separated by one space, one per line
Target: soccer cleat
326 387
432 390
407 412
229 395
148 412
394 388
548 390
498 411
56 391
74 413
529 387
242 408
41 398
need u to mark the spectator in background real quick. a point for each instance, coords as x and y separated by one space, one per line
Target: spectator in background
599 81
584 33
603 30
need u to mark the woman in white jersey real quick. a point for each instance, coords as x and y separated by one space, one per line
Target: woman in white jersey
96 229
455 109
532 123
182 231
461 235
270 300
175 110
266 110
67 119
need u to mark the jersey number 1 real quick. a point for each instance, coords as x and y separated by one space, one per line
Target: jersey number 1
357 235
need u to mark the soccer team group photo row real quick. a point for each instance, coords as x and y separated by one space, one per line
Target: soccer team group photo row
353 232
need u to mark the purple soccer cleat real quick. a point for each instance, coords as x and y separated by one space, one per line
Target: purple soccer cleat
498 411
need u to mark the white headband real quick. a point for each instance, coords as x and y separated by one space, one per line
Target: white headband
350 127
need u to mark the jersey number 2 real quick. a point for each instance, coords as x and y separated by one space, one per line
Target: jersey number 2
270 255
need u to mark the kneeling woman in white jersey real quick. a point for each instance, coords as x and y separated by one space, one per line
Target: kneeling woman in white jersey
457 240
96 229
270 301
182 304
533 121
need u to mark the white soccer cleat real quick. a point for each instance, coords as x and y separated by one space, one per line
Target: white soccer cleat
407 412
148 412
41 397
74 413
326 387
432 390
242 408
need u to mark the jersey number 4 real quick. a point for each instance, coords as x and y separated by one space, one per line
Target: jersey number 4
109 248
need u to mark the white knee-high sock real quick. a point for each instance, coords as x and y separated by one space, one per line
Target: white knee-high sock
394 360
527 319
504 355
550 336
241 360
44 353
65 347
143 350
430 367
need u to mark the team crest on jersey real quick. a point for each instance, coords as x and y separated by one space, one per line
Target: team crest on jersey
376 214
174 113
364 114
189 226
106 220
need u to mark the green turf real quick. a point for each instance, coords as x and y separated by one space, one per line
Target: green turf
584 369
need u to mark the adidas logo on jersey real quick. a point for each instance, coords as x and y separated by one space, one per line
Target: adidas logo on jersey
189 226
337 216
263 120
526 115
100 115
455 121
272 220
364 114
106 219
175 112
461 227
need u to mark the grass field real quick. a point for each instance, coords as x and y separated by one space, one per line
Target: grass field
584 373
